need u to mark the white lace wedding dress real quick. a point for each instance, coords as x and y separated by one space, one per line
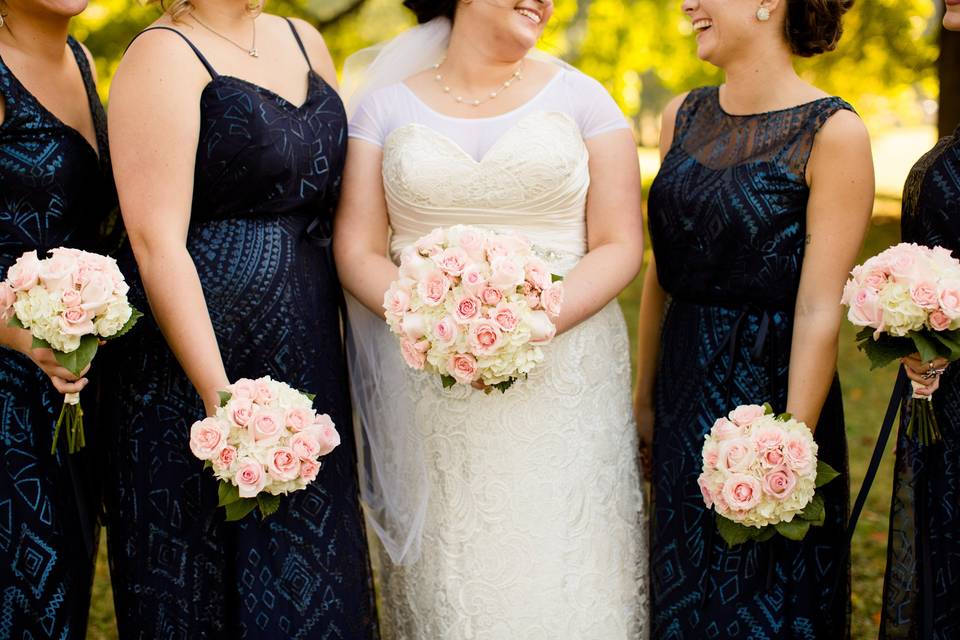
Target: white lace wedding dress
534 526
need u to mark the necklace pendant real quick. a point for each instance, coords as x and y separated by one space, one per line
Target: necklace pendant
254 53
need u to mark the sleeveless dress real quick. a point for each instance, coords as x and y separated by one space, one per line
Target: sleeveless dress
727 222
533 528
54 191
921 589
267 173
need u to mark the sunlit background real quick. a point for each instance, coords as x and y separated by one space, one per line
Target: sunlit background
643 51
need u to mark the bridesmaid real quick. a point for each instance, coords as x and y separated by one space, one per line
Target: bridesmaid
55 188
230 141
756 217
921 589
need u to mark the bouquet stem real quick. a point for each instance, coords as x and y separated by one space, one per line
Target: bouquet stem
923 422
71 418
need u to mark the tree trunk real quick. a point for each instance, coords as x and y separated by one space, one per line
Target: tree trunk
949 69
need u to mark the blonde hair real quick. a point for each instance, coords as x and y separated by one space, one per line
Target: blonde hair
177 9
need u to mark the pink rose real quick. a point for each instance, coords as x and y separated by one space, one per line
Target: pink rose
297 419
433 288
925 295
284 464
767 436
736 454
250 478
56 272
902 261
75 321
264 395
430 243
413 326
742 492
876 279
723 429
328 437
463 367
711 454
96 292
705 490
531 295
240 411
473 280
542 329
25 272
503 245
243 388
505 273
267 425
7 298
466 309
939 321
445 332
309 470
772 458
800 455
71 298
745 414
552 299
452 261
396 300
323 421
538 274
413 266
305 445
207 437
491 296
779 483
950 299
412 355
865 309
483 337
472 243
506 316
226 457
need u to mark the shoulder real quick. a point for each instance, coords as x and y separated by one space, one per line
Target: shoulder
158 60
317 49
670 111
841 127
90 61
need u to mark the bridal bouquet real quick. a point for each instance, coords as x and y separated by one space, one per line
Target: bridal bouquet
907 299
760 475
265 441
473 305
69 302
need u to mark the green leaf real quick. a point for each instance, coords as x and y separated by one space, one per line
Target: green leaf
928 346
227 493
951 340
767 409
136 315
78 359
825 473
310 396
268 504
448 381
224 397
207 464
795 530
238 510
555 278
784 417
885 350
503 386
766 533
734 533
816 512
14 322
39 343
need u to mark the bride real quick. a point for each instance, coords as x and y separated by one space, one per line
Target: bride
515 515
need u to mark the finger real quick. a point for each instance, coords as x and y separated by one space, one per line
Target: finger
64 386
940 363
60 372
85 370
912 364
916 377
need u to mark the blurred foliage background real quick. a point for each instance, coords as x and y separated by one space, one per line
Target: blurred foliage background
644 52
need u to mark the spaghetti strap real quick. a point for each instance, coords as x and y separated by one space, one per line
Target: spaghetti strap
213 73
303 49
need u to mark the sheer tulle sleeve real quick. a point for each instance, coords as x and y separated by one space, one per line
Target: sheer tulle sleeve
593 108
369 121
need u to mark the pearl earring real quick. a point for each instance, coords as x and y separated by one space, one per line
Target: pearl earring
1 21
763 14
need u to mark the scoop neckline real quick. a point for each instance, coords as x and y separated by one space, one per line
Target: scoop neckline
549 83
716 95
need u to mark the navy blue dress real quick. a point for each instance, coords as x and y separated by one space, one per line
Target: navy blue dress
921 589
266 170
728 227
55 190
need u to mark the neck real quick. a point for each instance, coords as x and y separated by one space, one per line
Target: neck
473 68
756 82
38 35
222 13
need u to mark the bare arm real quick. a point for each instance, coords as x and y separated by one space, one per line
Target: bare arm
838 213
154 128
317 51
652 302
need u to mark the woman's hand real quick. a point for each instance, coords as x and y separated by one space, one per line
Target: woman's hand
63 380
925 374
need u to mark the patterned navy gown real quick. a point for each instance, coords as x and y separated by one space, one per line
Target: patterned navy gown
921 591
55 190
728 223
267 179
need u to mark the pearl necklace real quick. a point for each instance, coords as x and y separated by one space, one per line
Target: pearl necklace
438 78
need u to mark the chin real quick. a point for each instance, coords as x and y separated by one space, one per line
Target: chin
951 19
65 8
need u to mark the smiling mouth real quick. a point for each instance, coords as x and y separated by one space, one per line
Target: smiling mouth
532 16
702 25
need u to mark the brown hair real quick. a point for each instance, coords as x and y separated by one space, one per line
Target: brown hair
815 26
176 9
427 10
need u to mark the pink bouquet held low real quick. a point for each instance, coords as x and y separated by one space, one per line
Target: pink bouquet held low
761 474
68 302
264 442
472 305
907 299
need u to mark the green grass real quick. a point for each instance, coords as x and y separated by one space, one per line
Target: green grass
865 396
